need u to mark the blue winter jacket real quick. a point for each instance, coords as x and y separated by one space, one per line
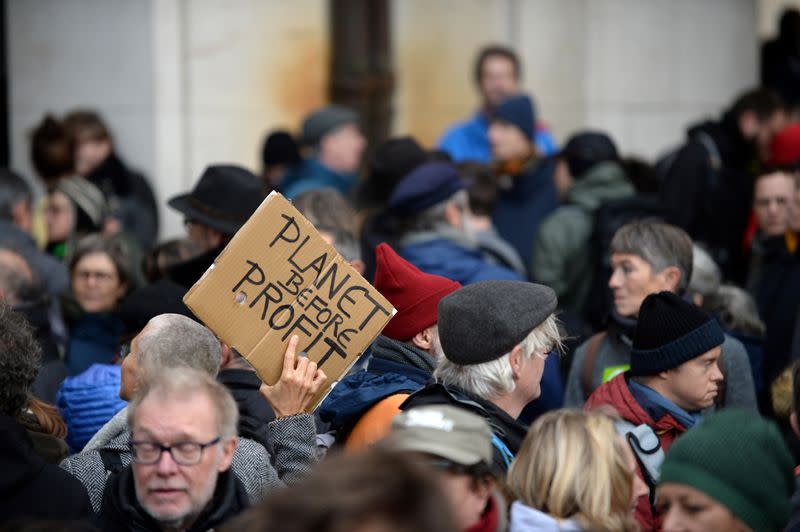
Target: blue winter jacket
93 339
442 256
469 140
88 401
520 209
312 174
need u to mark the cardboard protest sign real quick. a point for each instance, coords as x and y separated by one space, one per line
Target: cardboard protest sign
277 278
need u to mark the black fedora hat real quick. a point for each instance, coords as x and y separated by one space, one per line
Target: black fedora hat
224 198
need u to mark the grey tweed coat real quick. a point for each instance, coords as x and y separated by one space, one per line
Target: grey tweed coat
292 441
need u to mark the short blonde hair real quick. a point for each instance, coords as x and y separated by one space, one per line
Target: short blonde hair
571 465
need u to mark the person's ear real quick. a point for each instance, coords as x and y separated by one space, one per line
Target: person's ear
225 355
122 290
453 214
214 238
793 422
748 124
228 448
671 276
423 339
515 359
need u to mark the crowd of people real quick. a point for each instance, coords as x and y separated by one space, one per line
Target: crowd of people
582 341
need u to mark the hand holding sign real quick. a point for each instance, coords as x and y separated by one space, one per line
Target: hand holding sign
299 383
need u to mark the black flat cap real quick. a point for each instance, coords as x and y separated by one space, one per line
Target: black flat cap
484 321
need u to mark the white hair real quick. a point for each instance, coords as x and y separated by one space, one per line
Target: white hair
495 378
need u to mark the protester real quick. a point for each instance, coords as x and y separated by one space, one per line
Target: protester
794 423
279 155
191 416
16 200
707 184
432 203
75 208
360 408
457 446
733 472
367 492
497 75
132 203
588 173
482 193
674 376
391 161
52 151
21 288
100 279
527 193
29 487
333 135
647 257
221 202
495 338
574 472
779 57
174 341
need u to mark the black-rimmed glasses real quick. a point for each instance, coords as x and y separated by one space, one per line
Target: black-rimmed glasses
183 453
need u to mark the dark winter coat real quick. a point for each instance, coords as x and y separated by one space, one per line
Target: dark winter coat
122 511
31 488
713 206
254 411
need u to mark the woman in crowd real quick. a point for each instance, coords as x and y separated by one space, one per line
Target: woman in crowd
100 277
574 472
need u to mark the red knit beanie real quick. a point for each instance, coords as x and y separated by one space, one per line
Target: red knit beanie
413 293
785 146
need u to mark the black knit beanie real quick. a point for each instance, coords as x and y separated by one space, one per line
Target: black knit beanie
671 331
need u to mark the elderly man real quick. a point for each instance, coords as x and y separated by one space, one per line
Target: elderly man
332 133
193 418
432 203
220 203
496 336
648 257
172 340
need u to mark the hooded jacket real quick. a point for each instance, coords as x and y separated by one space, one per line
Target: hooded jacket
525 519
617 394
449 254
122 511
395 368
562 255
30 488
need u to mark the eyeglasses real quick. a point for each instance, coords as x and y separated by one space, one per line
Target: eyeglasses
185 453
102 277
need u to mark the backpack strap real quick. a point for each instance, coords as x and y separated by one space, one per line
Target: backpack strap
711 147
587 368
647 449
503 449
111 461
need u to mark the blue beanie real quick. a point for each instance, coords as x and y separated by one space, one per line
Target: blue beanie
424 187
519 111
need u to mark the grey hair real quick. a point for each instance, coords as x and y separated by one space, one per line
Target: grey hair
659 244
736 310
495 378
173 340
434 217
13 189
186 383
706 276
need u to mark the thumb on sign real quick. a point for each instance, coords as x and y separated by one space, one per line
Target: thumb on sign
299 383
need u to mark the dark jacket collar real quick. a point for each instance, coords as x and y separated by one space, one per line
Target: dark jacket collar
121 510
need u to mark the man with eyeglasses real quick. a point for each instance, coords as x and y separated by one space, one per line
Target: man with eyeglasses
183 436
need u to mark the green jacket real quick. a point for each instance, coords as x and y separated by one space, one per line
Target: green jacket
562 250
